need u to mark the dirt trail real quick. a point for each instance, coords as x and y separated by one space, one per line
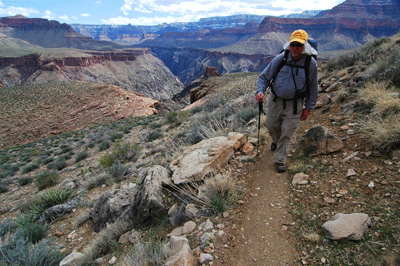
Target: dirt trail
261 231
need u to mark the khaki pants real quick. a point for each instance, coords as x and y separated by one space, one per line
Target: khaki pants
281 124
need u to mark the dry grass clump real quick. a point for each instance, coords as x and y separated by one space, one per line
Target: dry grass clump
221 192
383 133
105 241
381 127
372 92
152 252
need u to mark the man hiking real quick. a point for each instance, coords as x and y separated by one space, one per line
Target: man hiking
293 81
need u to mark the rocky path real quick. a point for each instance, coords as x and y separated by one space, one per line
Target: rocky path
260 231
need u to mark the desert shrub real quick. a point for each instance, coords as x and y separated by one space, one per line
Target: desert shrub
153 135
119 171
212 104
147 253
104 145
107 160
65 149
20 252
58 164
6 226
23 181
246 114
125 151
33 232
81 156
7 170
115 135
46 179
196 109
47 160
29 168
155 125
344 61
90 145
3 188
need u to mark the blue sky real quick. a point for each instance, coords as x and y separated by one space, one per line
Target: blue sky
153 12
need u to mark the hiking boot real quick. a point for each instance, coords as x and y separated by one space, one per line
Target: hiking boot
273 146
281 167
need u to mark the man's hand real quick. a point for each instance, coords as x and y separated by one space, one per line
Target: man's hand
260 97
304 114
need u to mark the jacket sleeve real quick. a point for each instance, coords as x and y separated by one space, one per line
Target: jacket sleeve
268 73
313 83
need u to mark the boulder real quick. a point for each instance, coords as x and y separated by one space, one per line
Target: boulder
317 140
148 204
347 226
204 158
141 205
73 259
110 206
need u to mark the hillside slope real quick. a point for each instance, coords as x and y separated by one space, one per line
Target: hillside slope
32 112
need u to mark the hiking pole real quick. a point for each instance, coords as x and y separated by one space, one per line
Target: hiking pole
260 110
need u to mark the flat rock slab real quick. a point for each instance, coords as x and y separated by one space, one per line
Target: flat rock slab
204 158
347 226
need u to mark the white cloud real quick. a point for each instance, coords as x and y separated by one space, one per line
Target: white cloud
49 15
1 3
98 2
85 15
140 21
65 17
12 11
125 8
74 17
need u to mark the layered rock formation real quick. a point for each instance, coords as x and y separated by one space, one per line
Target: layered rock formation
50 34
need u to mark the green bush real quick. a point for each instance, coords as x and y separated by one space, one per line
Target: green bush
33 232
47 160
104 145
6 226
125 151
81 156
119 171
3 189
247 114
107 160
23 181
19 252
115 135
153 135
58 164
29 168
46 179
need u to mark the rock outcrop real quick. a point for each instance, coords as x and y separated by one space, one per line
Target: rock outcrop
205 158
142 205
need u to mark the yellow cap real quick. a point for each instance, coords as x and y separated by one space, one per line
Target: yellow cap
299 36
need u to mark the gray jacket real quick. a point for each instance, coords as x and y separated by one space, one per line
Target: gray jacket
284 84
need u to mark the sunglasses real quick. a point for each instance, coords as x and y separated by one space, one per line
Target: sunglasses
296 44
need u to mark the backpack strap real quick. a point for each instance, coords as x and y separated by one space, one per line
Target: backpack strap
306 94
280 66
